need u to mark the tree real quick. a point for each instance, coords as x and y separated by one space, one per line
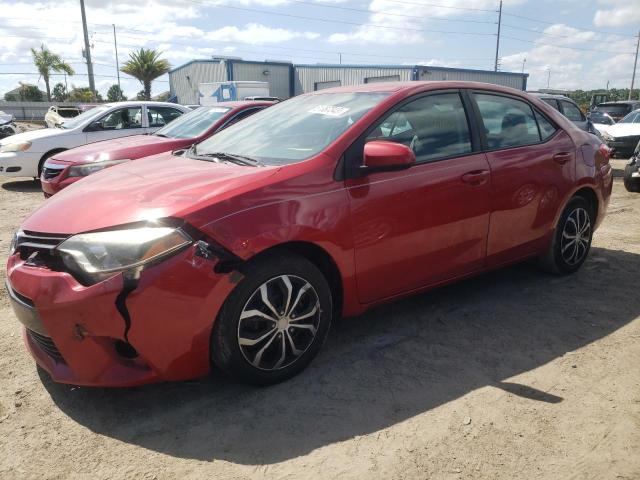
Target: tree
145 65
141 95
46 62
80 94
26 93
59 93
114 94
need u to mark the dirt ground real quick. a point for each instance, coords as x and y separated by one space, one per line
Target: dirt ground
512 375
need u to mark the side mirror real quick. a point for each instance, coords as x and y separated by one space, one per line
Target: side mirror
383 156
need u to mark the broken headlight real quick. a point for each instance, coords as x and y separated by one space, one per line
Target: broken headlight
96 256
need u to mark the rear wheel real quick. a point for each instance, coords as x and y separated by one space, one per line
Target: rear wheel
632 184
274 322
571 240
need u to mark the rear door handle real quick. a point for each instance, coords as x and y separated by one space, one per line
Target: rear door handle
562 158
476 178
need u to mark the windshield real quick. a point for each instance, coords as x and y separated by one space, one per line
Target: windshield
194 123
633 117
294 130
600 117
84 117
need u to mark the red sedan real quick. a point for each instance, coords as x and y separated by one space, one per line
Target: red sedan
68 167
240 253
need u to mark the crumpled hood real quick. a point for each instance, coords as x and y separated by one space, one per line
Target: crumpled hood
153 187
132 148
5 118
624 129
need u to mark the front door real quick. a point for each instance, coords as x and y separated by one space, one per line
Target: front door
120 122
423 225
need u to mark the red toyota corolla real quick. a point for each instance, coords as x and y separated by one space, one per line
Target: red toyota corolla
69 166
241 252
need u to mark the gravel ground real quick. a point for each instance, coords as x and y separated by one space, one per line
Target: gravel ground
511 375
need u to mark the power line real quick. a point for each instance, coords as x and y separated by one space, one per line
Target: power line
564 46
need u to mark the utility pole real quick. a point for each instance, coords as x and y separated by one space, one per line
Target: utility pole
340 57
495 65
115 44
548 78
87 51
524 60
635 64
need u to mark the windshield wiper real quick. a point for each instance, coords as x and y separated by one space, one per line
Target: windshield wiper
232 157
160 135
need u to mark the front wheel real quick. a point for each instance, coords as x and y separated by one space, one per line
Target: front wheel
274 322
632 184
571 240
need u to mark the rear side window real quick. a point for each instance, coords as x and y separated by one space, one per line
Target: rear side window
434 127
551 101
507 122
160 116
546 127
572 112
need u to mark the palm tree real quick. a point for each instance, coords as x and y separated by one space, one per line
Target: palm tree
46 61
146 66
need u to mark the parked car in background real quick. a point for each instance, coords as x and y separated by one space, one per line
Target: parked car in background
568 108
7 125
632 171
263 99
65 168
623 137
24 154
601 121
241 251
617 110
56 115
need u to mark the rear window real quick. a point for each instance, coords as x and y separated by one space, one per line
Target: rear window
615 109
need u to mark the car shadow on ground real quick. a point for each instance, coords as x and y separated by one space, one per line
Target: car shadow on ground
23 186
379 369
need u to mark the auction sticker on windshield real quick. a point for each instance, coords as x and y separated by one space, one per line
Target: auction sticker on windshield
329 110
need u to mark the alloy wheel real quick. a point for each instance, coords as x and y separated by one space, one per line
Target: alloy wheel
576 236
279 322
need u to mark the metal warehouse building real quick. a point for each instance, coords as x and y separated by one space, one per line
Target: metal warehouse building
287 79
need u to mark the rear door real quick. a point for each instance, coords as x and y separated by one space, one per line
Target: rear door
532 165
428 223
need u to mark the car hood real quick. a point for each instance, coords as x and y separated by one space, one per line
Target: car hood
134 147
624 129
154 187
34 135
5 118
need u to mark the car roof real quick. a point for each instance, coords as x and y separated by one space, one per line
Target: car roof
619 102
412 85
142 102
240 103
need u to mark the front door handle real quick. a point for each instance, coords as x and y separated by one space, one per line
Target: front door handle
476 178
562 158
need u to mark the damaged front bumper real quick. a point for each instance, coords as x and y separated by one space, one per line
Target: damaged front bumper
115 333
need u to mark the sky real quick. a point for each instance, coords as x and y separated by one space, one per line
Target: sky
566 44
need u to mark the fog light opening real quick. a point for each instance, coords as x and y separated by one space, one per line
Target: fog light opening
125 350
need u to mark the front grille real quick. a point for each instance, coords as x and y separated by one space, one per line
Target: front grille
37 248
49 173
47 345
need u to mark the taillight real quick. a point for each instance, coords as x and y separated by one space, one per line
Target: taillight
603 154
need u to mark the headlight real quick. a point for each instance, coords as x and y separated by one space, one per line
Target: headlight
14 147
89 168
97 256
13 246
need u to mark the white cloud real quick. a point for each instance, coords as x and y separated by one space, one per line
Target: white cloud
255 33
619 14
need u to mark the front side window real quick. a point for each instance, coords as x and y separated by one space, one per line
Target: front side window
434 127
507 122
293 130
85 117
161 116
572 112
121 119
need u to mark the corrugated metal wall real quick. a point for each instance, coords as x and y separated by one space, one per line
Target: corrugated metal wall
513 80
184 81
278 76
306 76
32 111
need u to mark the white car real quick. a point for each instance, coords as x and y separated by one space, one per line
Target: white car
23 154
57 115
623 137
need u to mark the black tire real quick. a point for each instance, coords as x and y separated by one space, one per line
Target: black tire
558 258
630 183
44 158
230 356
